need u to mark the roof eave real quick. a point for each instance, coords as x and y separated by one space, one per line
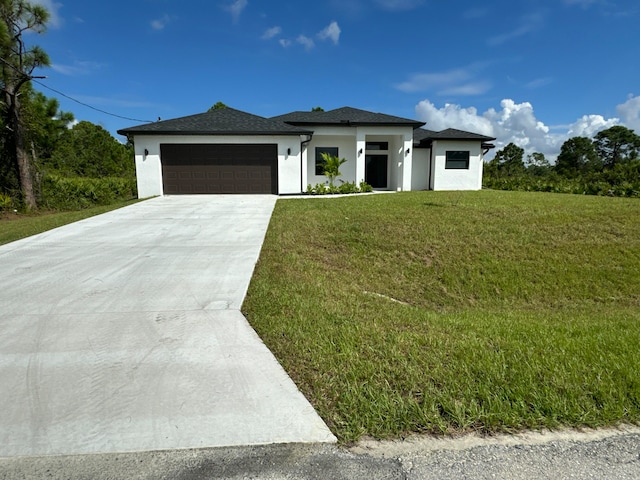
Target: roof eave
356 124
210 133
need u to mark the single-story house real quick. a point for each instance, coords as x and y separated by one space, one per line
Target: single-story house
229 151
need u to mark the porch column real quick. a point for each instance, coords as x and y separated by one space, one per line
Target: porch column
407 162
361 142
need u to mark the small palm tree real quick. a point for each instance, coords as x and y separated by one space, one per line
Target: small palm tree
332 166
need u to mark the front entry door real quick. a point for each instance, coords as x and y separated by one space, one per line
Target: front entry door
375 173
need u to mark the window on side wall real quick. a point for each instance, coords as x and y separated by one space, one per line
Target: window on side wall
457 160
333 151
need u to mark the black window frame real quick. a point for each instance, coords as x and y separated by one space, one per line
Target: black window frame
377 146
333 151
452 163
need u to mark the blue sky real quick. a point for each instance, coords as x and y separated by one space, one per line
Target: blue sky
534 72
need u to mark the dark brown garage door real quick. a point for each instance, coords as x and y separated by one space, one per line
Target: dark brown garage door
224 168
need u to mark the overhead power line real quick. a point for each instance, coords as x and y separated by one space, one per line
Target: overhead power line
33 79
90 106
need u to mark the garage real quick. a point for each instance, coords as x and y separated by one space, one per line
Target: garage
219 168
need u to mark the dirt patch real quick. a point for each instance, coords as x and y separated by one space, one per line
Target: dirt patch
422 443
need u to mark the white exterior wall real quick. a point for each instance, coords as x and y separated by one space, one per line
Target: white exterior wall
444 179
421 167
350 140
149 167
344 139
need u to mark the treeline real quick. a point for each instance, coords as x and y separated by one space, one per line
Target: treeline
74 164
608 164
46 160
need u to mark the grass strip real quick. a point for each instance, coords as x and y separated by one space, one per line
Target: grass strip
14 227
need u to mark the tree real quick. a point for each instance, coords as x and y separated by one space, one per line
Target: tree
45 122
17 17
317 109
537 164
509 160
617 144
218 106
88 150
332 166
577 156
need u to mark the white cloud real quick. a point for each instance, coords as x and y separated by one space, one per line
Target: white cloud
467 89
236 8
539 82
307 42
399 4
77 68
331 32
421 82
55 21
284 42
453 116
515 122
160 23
589 125
527 25
459 81
630 113
271 32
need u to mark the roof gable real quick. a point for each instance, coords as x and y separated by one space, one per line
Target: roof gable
225 121
346 116
424 137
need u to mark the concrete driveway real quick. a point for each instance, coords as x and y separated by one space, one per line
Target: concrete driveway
122 332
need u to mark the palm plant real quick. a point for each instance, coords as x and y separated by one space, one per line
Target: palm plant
332 166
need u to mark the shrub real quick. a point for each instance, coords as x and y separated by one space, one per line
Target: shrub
6 203
348 187
365 187
76 193
345 188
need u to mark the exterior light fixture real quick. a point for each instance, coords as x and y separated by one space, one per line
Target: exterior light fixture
360 152
288 151
408 150
146 152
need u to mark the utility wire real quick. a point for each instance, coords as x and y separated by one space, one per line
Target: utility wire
33 79
90 106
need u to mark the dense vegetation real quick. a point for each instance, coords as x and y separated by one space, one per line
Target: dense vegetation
46 159
608 164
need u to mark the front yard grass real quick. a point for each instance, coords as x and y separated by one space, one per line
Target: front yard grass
446 312
16 226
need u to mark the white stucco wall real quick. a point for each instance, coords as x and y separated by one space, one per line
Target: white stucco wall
149 167
420 169
453 179
350 140
344 139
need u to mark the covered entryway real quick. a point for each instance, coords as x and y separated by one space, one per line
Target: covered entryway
219 168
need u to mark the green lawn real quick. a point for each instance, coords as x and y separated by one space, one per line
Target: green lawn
447 312
15 227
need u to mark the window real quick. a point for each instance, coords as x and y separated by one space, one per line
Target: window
457 160
333 151
377 146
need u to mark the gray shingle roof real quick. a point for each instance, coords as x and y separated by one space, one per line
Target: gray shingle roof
424 137
226 121
345 116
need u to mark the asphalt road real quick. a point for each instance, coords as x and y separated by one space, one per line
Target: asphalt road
605 454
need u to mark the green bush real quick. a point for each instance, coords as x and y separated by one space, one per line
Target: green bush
6 203
345 188
76 193
365 187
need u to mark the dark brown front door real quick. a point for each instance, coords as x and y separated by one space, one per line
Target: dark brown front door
222 168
